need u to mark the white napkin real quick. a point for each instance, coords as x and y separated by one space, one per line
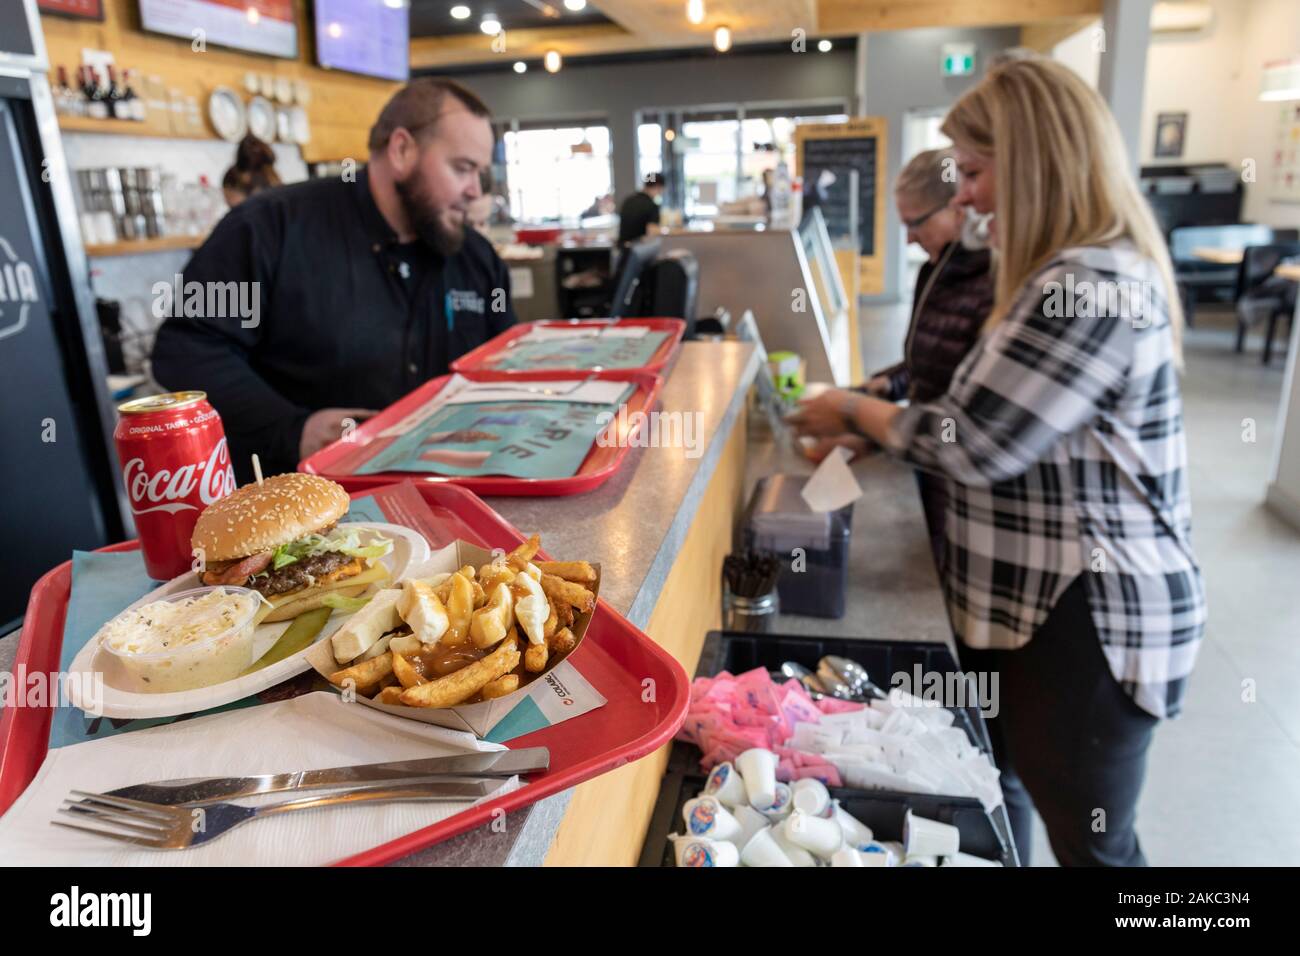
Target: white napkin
551 333
832 485
311 732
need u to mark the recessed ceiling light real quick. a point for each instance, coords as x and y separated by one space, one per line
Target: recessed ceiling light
521 66
722 39
670 135
334 30
254 15
575 6
460 12
695 11
395 4
490 25
824 46
552 61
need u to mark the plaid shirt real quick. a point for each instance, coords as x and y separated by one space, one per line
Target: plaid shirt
1062 439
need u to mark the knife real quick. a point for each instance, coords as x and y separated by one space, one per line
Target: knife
198 790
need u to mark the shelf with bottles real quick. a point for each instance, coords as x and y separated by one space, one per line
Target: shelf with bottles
125 103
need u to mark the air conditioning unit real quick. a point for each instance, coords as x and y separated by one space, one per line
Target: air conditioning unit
1170 17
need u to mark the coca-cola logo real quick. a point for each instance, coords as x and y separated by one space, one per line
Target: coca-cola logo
173 491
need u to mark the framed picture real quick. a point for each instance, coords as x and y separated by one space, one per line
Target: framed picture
1171 134
78 9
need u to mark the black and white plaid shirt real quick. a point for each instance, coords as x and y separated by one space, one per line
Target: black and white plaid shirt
1061 435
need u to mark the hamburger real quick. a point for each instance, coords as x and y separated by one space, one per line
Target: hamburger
282 538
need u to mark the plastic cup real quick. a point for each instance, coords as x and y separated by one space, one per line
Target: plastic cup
758 766
847 856
885 852
693 851
816 835
781 806
921 861
856 832
922 837
725 784
707 817
811 796
797 854
763 850
751 821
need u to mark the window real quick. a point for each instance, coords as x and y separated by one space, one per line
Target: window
556 173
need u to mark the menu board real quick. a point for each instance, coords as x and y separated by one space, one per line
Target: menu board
369 37
829 158
258 26
81 9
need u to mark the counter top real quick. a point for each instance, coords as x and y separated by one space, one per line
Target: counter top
634 526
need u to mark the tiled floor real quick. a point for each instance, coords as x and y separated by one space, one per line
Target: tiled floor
1223 779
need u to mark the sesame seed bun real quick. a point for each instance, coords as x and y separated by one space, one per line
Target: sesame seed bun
258 518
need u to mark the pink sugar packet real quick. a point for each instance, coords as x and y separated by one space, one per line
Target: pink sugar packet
785 771
832 705
827 775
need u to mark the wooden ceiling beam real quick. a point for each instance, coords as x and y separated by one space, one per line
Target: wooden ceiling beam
836 17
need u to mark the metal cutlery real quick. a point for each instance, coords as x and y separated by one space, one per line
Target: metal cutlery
177 828
195 791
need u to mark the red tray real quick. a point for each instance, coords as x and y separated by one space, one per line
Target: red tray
476 360
337 460
614 657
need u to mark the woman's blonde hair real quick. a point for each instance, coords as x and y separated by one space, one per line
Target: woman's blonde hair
1061 172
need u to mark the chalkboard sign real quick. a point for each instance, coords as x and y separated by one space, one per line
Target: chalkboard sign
828 156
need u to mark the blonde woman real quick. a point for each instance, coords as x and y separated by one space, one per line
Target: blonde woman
1068 565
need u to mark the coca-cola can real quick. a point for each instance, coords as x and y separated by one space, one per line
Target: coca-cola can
174 464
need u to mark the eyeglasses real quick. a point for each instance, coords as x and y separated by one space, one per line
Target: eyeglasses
920 221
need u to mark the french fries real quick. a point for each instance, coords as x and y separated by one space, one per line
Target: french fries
491 622
516 612
501 687
366 676
459 685
577 572
575 595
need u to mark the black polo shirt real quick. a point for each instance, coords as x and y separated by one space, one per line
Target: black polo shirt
347 315
639 210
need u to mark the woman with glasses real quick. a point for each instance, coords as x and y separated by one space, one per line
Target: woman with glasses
1068 567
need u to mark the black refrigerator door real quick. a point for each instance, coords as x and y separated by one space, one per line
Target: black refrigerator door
48 468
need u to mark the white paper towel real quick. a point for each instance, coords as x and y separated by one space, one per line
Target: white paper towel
832 485
311 732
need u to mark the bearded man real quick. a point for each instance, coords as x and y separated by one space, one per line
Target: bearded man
324 301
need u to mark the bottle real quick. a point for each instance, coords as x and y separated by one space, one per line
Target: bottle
96 100
59 93
117 105
135 104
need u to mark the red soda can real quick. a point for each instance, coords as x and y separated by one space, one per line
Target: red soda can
174 464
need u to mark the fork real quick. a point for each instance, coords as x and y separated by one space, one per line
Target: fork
179 828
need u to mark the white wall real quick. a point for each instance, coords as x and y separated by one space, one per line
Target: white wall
1214 76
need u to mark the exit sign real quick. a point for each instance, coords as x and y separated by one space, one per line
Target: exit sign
958 59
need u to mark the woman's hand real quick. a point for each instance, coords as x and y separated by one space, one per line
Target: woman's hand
824 415
817 450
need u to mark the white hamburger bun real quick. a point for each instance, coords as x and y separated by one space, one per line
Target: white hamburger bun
258 518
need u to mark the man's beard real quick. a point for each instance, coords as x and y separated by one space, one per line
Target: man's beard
426 219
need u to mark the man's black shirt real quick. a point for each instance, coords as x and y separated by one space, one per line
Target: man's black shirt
638 211
348 317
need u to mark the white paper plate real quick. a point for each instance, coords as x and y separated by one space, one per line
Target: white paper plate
226 111
261 119
410 550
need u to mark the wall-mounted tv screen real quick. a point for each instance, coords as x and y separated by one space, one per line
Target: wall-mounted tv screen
257 26
370 37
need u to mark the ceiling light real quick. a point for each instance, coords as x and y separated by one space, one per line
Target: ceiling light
490 25
575 6
521 66
395 4
460 12
695 11
722 39
552 61
824 46
670 135
334 30
254 15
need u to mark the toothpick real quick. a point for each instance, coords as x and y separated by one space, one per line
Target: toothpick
257 469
